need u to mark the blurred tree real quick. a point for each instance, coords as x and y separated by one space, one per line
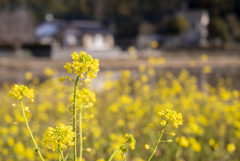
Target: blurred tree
219 29
177 25
233 25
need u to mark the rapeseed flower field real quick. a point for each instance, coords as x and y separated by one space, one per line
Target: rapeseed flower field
169 118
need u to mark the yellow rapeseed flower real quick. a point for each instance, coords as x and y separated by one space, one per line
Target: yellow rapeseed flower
14 105
101 159
172 116
18 91
172 134
206 69
31 101
231 147
184 141
61 79
28 75
83 65
59 136
146 146
195 145
163 122
75 56
68 78
204 58
131 141
155 44
19 148
88 149
169 141
48 71
151 125
85 95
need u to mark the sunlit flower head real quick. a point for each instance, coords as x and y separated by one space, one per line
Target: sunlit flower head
231 147
59 136
18 91
131 140
85 95
146 146
172 116
83 65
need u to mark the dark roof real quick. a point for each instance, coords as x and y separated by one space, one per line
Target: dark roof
193 15
91 27
48 29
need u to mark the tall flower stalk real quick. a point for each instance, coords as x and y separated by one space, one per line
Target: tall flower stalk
123 147
19 92
170 115
86 68
159 140
30 132
74 120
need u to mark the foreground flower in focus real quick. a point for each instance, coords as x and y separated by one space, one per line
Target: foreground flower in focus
59 136
18 91
83 65
171 115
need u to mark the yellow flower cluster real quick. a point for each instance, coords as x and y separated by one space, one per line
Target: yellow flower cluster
83 65
131 141
59 136
18 91
85 95
126 103
171 115
62 79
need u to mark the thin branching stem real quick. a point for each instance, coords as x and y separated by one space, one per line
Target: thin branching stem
29 130
113 154
159 140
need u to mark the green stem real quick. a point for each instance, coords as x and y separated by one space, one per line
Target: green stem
29 130
114 153
74 120
61 153
80 132
159 139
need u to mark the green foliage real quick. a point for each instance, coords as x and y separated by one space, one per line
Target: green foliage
177 25
219 29
233 25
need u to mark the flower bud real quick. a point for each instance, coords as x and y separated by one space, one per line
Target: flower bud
146 146
169 141
88 149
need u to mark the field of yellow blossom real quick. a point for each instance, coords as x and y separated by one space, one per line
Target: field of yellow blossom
210 129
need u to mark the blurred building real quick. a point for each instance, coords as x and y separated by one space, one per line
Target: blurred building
194 36
76 35
91 35
197 33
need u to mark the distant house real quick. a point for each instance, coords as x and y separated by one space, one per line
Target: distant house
91 35
197 33
65 37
